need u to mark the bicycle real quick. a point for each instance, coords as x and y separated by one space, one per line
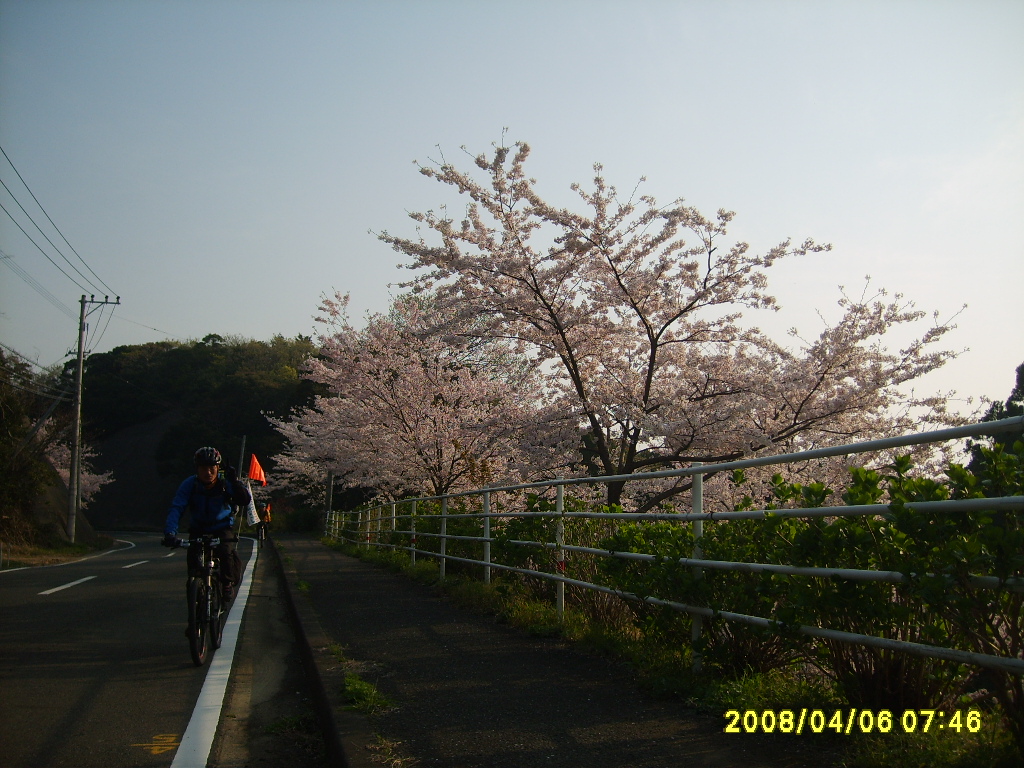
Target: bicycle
261 534
206 609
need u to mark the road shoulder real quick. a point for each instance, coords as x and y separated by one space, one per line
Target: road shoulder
270 713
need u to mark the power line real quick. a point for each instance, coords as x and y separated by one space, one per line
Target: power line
47 238
40 393
25 184
35 285
90 328
69 277
26 360
96 343
25 382
143 325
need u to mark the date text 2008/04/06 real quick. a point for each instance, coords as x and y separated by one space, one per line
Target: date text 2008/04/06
848 721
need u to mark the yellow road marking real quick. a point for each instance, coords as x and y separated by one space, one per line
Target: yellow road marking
161 743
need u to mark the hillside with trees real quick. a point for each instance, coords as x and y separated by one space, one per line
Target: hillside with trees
146 408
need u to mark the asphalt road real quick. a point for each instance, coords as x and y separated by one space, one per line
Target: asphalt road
94 664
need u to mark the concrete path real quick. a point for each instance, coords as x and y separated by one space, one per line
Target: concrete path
469 692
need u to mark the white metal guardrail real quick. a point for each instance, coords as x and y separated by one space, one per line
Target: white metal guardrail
371 523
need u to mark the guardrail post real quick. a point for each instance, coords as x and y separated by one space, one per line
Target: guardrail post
412 530
394 518
487 537
697 493
559 552
444 535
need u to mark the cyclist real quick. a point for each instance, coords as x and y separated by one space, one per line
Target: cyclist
264 524
211 500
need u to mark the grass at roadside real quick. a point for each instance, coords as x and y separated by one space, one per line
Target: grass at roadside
301 724
364 696
24 555
389 753
667 671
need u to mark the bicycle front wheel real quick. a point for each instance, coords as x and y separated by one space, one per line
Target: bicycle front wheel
218 613
198 628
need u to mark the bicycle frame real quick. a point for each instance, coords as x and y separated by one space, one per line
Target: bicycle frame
206 554
205 600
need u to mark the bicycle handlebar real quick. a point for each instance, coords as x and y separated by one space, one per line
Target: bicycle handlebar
213 541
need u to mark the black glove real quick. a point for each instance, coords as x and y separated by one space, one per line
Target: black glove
230 473
169 540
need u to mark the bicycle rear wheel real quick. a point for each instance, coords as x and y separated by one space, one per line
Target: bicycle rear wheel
198 629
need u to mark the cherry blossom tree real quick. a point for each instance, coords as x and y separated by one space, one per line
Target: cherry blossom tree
634 312
410 411
89 481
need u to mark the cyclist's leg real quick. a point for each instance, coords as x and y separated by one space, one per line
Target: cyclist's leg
230 565
194 563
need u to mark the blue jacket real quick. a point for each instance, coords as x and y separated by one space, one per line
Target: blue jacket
211 510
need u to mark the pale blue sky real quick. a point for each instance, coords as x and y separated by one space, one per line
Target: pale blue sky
220 164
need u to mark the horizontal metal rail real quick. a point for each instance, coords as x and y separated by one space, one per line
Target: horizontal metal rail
1014 666
999 503
370 525
850 449
853 574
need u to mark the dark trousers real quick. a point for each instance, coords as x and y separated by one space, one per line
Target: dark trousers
230 564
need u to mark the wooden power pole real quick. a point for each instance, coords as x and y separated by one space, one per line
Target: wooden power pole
75 469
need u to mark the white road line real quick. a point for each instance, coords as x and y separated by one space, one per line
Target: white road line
172 553
195 746
79 560
134 564
65 586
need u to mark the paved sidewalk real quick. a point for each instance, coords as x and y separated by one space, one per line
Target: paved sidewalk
470 693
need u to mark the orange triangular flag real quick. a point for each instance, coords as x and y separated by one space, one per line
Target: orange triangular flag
256 471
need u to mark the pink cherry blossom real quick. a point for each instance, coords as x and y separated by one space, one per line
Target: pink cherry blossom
632 314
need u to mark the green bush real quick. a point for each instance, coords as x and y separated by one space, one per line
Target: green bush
937 603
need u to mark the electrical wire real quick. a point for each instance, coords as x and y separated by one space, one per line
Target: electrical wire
23 358
143 325
93 285
69 277
105 326
40 393
25 184
36 286
90 328
39 386
27 384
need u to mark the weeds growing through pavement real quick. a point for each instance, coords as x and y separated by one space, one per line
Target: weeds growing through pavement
364 697
667 671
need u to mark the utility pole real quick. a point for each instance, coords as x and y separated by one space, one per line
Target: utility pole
75 469
243 470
